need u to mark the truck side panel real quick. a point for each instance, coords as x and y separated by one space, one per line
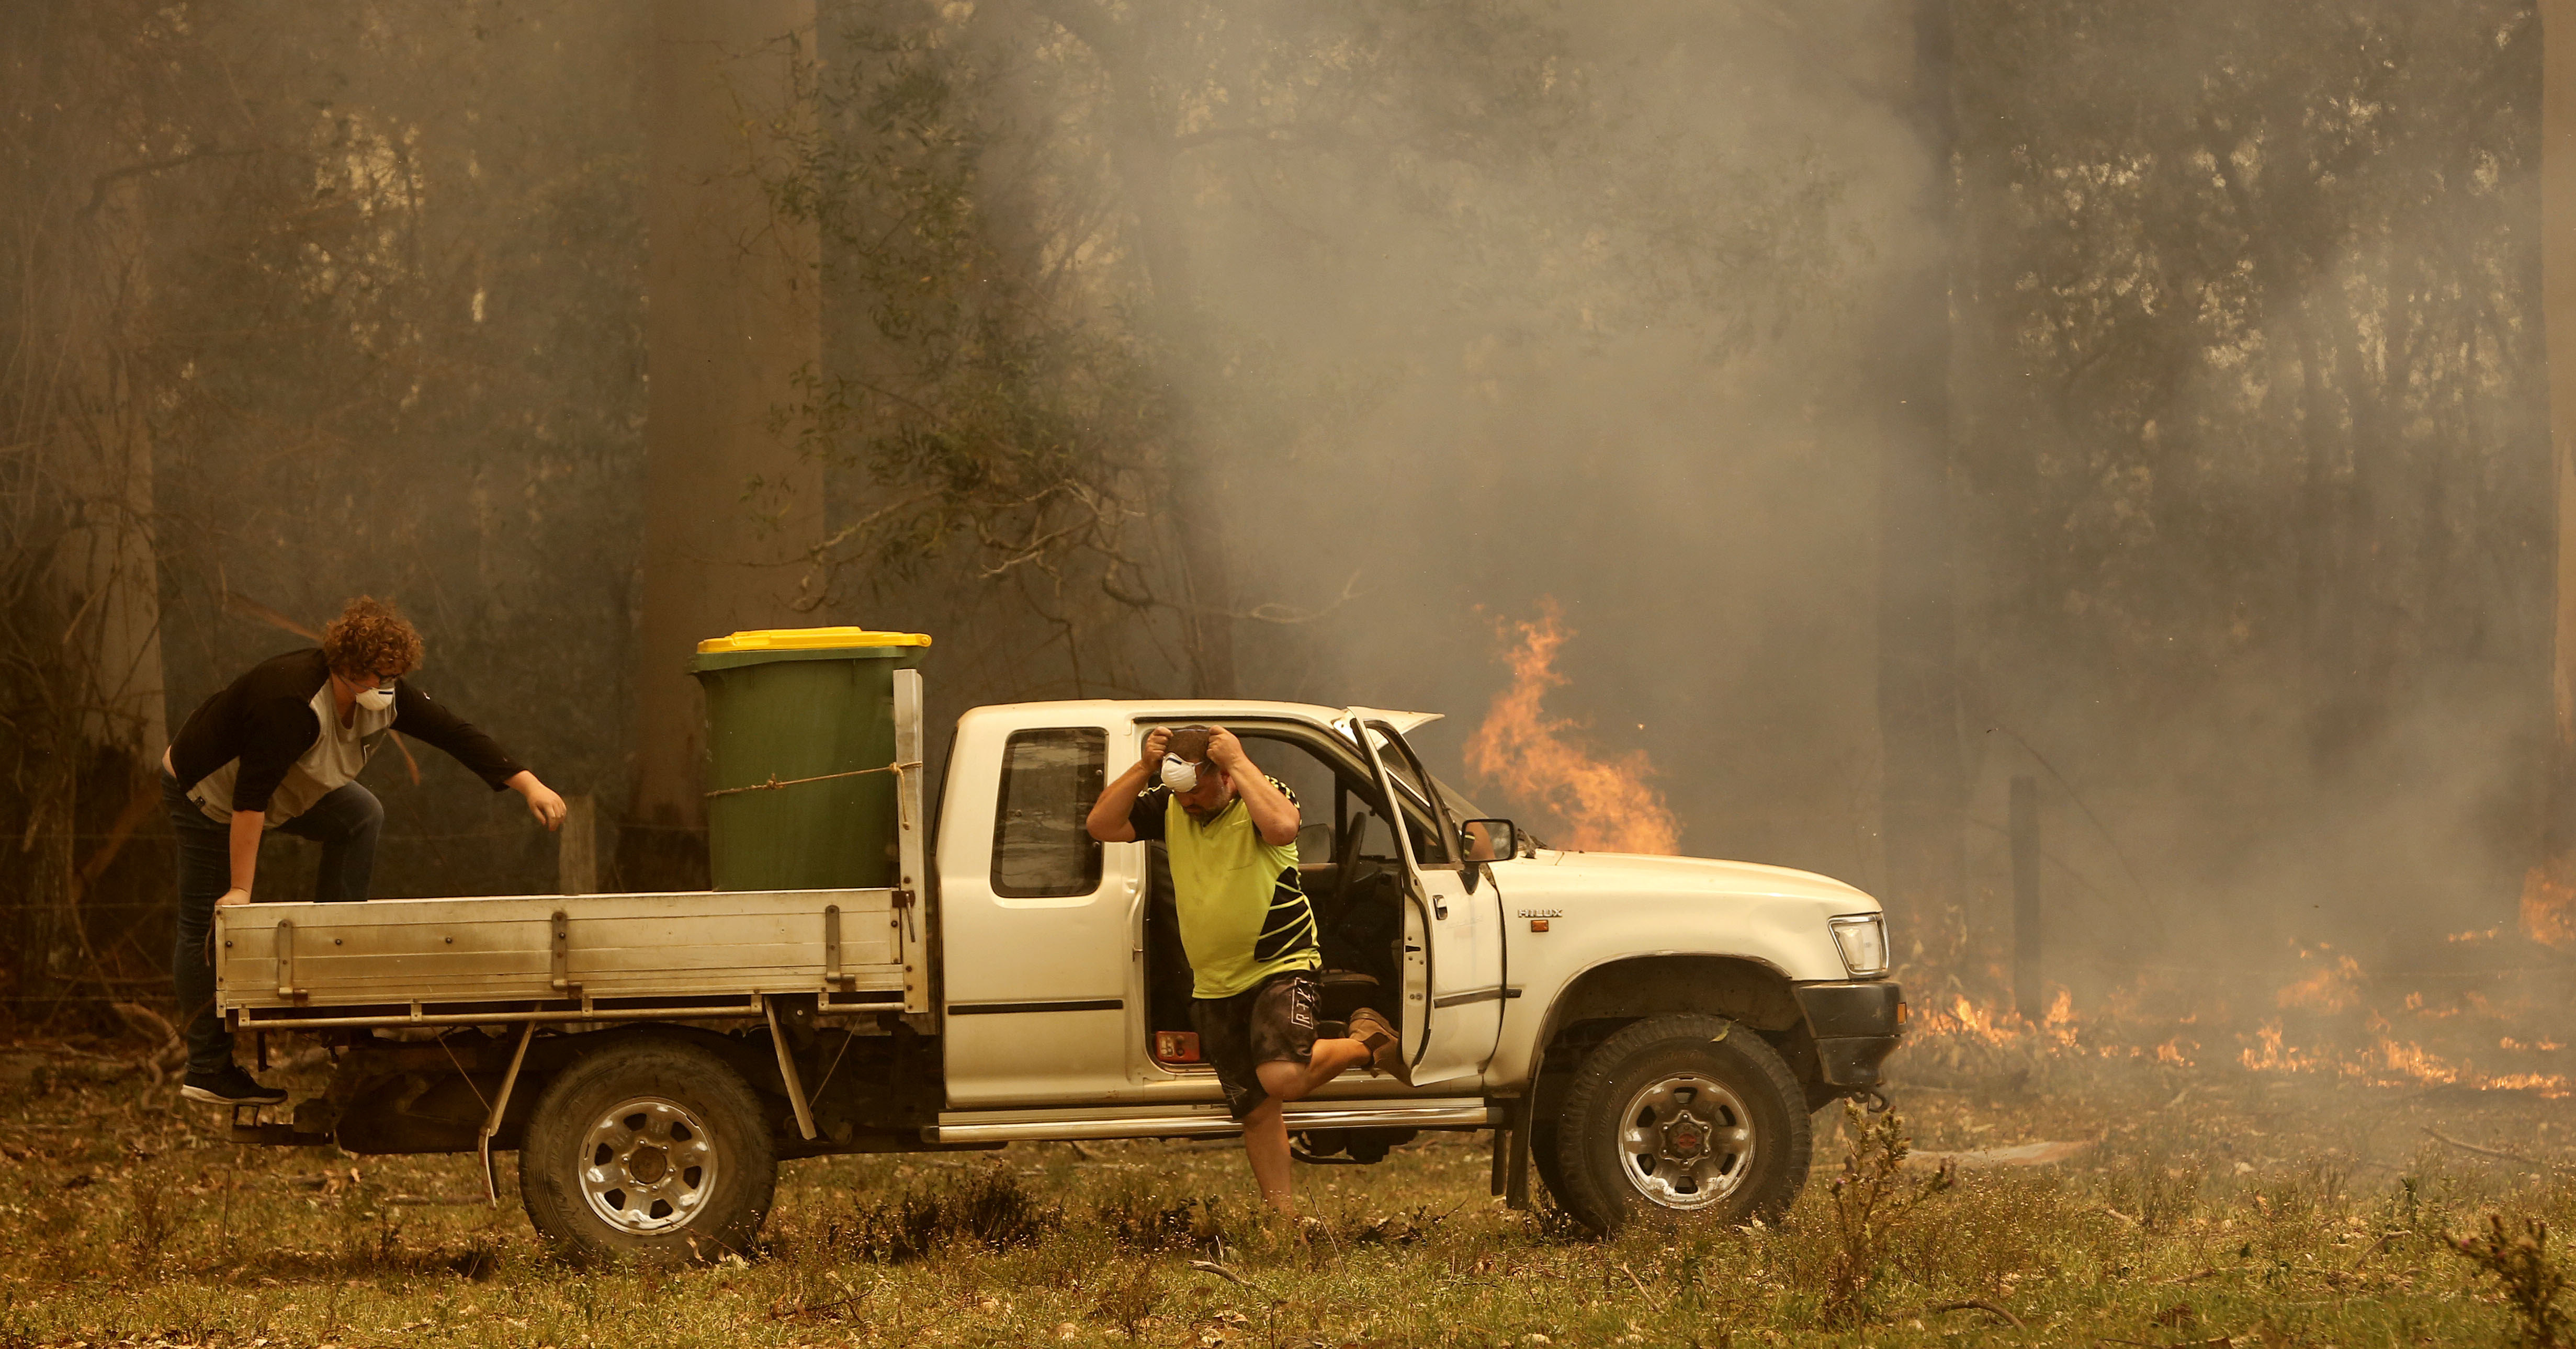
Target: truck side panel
305 956
1589 923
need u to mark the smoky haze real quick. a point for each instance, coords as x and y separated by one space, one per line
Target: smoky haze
1299 350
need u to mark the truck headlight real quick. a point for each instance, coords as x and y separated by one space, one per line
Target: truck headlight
1863 941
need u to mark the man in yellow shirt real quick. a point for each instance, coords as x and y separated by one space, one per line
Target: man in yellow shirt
1249 932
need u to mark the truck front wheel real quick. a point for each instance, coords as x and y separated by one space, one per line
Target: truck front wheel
1689 1117
651 1151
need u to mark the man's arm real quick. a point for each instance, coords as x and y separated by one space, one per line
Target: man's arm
281 730
1109 821
1272 814
417 715
247 825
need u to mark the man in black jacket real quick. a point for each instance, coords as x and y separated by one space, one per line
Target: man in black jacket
280 748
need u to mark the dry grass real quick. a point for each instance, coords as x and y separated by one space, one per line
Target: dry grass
2216 1204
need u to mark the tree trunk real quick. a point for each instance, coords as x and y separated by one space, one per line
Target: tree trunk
1918 694
85 627
109 561
729 505
2549 891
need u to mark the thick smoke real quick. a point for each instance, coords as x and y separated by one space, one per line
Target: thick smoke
1434 316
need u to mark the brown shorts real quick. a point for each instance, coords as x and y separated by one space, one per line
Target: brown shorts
1271 1022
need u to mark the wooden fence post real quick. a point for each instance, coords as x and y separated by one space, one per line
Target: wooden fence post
577 847
2026 918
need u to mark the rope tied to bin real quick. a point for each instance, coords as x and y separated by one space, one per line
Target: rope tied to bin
775 783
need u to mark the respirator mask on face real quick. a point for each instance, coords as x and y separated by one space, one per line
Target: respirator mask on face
376 700
1180 774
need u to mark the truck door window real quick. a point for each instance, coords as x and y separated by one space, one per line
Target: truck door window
1433 850
1049 780
1376 844
1307 778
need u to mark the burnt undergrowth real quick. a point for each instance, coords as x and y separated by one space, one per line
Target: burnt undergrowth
2243 1212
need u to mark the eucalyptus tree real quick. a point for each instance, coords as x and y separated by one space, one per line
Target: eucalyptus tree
1101 268
2253 432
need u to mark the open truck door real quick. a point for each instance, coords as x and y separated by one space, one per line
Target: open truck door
1453 934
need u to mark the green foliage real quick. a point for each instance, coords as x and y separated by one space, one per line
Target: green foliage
2533 1282
1138 1217
987 382
1869 1202
304 303
2251 415
1101 281
288 1245
986 1207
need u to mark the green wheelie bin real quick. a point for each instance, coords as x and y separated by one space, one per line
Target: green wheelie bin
800 752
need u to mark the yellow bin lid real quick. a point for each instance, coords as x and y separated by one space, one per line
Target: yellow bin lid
809 639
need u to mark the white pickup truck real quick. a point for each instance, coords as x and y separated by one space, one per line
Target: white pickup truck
1652 1033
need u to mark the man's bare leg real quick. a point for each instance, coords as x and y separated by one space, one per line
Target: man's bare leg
1265 1130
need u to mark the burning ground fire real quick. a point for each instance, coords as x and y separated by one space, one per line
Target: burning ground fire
2325 1027
1606 805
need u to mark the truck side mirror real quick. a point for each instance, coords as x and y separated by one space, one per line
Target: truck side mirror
1490 840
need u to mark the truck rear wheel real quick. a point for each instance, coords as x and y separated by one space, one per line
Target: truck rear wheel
1686 1117
649 1151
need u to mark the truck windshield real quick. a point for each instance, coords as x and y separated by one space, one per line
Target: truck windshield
1459 805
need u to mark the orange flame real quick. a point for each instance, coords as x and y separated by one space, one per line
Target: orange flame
1956 1034
1606 805
2331 989
1998 1027
2275 1055
2416 1062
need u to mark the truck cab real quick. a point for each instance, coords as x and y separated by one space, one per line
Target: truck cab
1648 1034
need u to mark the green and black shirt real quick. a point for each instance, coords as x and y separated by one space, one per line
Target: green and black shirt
1244 916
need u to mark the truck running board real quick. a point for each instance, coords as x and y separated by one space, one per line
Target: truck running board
1018 1126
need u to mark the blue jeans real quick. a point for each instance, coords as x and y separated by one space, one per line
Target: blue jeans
346 822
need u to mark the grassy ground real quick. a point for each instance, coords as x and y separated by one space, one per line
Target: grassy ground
2213 1202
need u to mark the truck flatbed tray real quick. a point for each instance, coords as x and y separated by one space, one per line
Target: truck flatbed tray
694 954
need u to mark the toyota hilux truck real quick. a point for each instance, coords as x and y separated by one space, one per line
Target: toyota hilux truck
1649 1034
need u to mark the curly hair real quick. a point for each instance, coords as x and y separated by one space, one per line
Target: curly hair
370 638
1189 744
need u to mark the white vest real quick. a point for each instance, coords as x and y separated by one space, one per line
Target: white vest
333 762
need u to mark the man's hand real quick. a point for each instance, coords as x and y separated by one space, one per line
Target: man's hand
232 897
1108 820
542 801
1272 815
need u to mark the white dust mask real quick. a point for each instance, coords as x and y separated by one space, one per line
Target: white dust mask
1180 774
376 700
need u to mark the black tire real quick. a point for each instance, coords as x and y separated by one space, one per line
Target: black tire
1716 1106
667 1104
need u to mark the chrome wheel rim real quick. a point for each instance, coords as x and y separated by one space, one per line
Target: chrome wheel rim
1685 1142
647 1165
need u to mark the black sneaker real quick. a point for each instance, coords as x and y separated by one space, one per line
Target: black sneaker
229 1085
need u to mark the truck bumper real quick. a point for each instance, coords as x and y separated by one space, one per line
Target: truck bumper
1855 1026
